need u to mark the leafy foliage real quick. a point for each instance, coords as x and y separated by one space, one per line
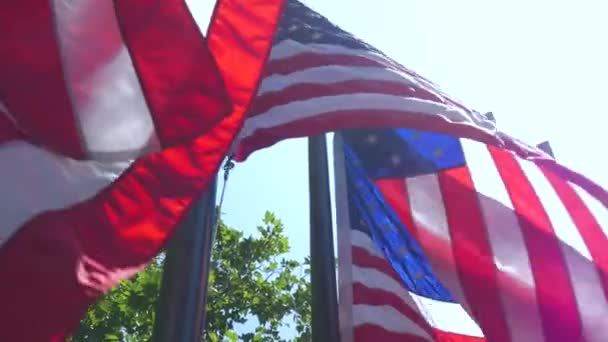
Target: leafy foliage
250 278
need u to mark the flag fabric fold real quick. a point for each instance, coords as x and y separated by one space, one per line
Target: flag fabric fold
113 118
443 238
116 71
320 78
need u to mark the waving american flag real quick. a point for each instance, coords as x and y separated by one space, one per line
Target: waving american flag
449 230
320 78
449 239
114 117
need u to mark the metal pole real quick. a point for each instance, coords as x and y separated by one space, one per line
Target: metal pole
324 325
546 147
180 315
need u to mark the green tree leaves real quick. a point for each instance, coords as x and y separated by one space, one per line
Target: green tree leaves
250 278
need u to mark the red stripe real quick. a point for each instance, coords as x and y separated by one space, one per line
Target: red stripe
307 91
125 225
174 66
590 230
395 194
311 60
553 289
472 252
367 296
248 32
346 119
442 336
363 258
308 60
369 332
589 186
32 83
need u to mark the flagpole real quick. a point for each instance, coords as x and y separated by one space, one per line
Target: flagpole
546 147
181 311
324 323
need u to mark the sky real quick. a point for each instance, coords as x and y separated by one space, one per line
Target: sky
539 66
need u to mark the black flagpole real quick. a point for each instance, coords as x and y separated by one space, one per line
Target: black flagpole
324 323
180 315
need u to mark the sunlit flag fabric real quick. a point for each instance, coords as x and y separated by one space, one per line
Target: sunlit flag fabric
448 239
320 78
114 116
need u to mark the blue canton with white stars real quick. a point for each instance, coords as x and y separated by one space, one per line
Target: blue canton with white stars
401 152
306 26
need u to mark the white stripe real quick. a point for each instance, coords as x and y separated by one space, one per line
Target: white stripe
334 74
362 240
298 110
507 243
448 317
562 223
34 180
345 281
388 318
378 280
445 316
290 48
598 210
429 215
106 95
590 299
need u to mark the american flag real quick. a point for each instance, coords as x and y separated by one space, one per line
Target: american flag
448 239
320 78
114 118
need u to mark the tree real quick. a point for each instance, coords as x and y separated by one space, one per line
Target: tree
250 278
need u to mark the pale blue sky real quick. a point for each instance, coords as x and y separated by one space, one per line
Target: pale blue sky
539 65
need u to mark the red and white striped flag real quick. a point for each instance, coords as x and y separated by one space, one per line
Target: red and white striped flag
320 78
443 239
114 116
